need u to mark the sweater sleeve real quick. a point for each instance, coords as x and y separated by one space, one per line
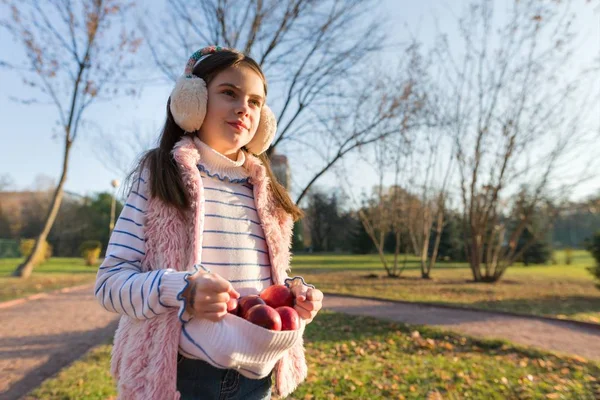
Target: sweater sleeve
121 286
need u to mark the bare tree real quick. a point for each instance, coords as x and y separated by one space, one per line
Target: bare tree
430 210
312 52
75 56
399 209
119 151
429 171
518 112
6 182
376 212
387 115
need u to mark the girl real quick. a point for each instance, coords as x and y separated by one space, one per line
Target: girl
205 222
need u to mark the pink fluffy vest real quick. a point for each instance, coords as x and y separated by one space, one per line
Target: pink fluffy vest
144 357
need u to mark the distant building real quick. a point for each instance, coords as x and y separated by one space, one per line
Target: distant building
281 169
15 205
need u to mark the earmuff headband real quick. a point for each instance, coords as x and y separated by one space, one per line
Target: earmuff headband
189 99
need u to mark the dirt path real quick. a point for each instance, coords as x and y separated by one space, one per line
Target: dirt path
41 336
559 336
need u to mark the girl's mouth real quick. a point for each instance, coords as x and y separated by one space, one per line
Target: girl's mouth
238 126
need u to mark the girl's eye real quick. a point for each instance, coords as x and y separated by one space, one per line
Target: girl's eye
229 92
255 102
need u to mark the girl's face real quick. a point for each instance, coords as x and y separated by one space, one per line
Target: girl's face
235 98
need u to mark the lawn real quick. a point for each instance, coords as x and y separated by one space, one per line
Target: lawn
57 273
363 358
563 291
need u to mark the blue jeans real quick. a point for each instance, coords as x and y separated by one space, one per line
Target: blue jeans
198 380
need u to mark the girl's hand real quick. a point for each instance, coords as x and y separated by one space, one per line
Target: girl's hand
207 295
308 302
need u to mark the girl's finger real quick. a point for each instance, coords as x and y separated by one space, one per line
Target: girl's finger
218 284
302 313
233 293
306 305
314 295
297 290
214 298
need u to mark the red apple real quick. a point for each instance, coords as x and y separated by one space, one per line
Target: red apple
278 296
232 306
265 316
247 302
290 320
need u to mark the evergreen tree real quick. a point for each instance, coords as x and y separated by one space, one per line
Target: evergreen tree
360 241
298 236
451 246
593 246
537 253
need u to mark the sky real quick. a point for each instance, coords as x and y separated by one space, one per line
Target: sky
29 147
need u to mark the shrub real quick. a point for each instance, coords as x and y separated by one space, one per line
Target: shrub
568 256
593 246
9 248
26 247
90 251
537 250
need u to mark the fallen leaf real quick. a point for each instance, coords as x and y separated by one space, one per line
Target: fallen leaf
434 396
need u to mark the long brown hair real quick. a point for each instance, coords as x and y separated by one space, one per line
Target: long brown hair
165 180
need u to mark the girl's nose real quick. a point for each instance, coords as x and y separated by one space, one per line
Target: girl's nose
241 108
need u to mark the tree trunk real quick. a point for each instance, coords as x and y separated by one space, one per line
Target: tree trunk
396 253
436 243
474 262
24 270
413 240
379 244
425 245
424 254
383 260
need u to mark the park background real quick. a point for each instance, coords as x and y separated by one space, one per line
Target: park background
443 153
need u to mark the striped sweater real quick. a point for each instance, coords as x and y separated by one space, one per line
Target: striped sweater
233 246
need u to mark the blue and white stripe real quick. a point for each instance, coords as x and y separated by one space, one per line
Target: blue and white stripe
121 286
234 244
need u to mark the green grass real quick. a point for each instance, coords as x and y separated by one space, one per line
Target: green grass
563 291
363 358
88 378
57 273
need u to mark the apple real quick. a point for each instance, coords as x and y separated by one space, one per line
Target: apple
265 316
278 296
290 320
232 306
247 302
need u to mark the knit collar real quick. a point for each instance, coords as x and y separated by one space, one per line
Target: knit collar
219 166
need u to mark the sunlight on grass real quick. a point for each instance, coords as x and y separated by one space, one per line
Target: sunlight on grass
563 291
353 357
55 274
88 378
